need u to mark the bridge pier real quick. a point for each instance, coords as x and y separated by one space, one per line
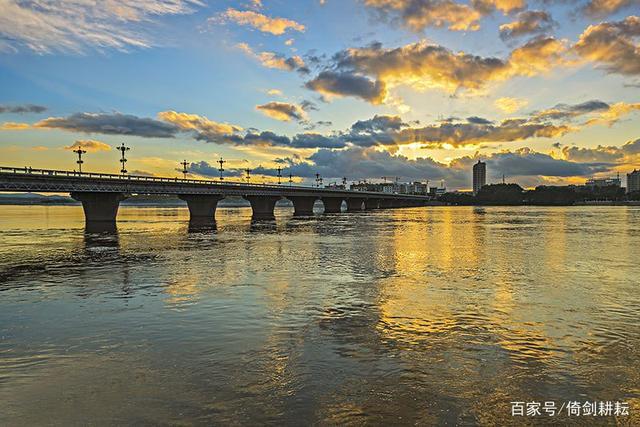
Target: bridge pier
372 204
202 208
354 204
386 203
332 204
100 209
302 205
262 206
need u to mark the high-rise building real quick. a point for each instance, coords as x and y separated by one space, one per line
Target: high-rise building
479 176
633 181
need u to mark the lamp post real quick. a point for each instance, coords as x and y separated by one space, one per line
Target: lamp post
279 175
248 171
123 160
79 152
290 179
185 171
221 169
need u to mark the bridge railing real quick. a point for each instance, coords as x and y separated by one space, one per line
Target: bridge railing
138 178
52 172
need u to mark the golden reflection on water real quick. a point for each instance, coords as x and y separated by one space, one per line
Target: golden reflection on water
417 316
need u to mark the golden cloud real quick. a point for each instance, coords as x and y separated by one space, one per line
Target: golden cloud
14 126
510 105
89 145
260 22
198 123
283 111
274 60
612 45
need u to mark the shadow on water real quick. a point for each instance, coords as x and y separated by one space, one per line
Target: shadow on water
261 225
196 226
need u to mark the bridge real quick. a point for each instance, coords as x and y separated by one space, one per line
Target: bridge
101 194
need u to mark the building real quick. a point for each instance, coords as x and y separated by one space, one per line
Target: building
633 181
479 176
604 182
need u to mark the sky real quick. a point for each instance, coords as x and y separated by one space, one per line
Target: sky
546 92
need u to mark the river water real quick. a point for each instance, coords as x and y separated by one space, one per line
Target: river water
438 315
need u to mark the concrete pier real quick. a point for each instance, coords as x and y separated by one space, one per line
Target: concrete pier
332 204
202 208
263 206
354 204
100 209
302 205
371 203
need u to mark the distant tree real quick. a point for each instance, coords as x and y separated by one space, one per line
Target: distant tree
500 194
458 199
608 193
634 196
552 195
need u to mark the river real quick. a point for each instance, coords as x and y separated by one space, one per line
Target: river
438 315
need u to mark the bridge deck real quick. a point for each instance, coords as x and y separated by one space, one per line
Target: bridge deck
57 181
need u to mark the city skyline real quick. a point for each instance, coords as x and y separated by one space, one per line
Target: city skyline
543 93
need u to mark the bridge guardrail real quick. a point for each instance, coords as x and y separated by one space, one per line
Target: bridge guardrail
141 178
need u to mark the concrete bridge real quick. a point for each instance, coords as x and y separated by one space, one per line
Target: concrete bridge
101 194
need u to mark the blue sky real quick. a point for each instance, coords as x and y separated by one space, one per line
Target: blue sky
283 83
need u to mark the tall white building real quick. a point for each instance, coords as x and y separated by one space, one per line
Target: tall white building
479 176
633 181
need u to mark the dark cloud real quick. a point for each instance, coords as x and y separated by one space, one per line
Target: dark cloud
379 123
526 23
479 120
627 153
22 109
568 111
283 111
366 72
525 162
523 165
417 15
612 46
330 83
111 124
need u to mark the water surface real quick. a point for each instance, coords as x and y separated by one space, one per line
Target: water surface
407 316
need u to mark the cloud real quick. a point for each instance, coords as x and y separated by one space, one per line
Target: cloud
111 124
89 145
602 8
417 15
330 84
275 60
424 66
274 92
201 127
283 111
22 109
627 153
611 45
510 105
260 22
595 112
14 126
527 22
76 25
356 163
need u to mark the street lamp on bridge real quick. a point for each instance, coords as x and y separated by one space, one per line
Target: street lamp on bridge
123 160
290 179
185 170
221 169
248 171
79 152
279 175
